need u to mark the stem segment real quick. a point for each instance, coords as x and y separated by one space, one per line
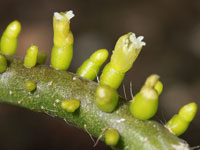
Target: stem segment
54 86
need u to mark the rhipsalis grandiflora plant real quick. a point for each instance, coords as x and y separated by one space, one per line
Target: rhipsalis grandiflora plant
75 98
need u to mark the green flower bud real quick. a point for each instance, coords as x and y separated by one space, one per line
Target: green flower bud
90 68
124 55
126 51
152 80
9 38
145 103
62 51
179 123
30 59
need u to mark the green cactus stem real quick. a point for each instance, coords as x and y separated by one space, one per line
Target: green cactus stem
53 86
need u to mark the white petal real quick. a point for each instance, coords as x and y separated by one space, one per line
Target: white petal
132 37
58 16
143 44
69 14
140 38
137 41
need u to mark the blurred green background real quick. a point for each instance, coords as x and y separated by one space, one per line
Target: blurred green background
172 33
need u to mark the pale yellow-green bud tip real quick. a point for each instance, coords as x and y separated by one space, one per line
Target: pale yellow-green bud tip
126 51
8 43
149 92
13 29
179 123
188 112
99 57
159 87
61 26
152 80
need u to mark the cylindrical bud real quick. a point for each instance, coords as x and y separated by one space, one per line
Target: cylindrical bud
30 59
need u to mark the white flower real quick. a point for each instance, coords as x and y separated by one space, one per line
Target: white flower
137 41
58 16
69 14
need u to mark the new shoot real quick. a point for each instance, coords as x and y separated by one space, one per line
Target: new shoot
90 68
62 52
124 55
179 123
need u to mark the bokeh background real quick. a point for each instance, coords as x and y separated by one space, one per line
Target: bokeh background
172 33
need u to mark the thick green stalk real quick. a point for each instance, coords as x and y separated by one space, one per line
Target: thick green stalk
54 86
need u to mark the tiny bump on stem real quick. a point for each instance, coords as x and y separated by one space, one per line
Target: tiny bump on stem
70 105
30 85
106 98
152 80
111 137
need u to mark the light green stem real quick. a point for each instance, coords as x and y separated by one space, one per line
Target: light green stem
54 86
